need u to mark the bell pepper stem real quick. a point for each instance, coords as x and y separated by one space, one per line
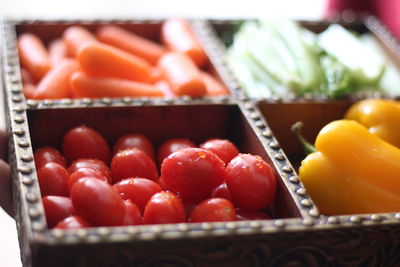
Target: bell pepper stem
308 148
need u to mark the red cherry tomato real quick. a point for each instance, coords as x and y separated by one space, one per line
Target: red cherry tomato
192 172
251 182
172 146
132 162
97 202
132 215
223 148
243 215
214 210
84 142
138 190
164 207
73 222
94 164
135 141
53 180
85 172
57 209
48 154
222 192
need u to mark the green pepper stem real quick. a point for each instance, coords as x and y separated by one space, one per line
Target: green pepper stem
308 148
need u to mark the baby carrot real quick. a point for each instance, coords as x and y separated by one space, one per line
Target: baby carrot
33 55
56 83
58 51
86 86
213 86
182 74
75 37
27 77
104 60
131 42
164 87
29 90
177 35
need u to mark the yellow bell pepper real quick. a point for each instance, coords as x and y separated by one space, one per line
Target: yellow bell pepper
353 171
380 116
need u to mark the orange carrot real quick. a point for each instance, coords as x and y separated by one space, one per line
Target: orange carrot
164 87
58 51
182 74
107 61
177 35
75 37
131 42
29 90
86 86
55 84
33 55
27 77
213 86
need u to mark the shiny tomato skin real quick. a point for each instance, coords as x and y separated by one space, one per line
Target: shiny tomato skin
85 172
132 215
171 146
84 142
213 210
223 148
73 222
138 190
57 208
164 207
192 172
131 163
222 192
95 164
243 215
48 154
251 182
53 180
135 141
97 202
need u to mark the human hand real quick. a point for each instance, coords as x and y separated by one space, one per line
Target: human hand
5 180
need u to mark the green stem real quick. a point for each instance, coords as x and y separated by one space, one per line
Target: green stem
308 148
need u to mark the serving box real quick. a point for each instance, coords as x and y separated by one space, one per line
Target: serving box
297 235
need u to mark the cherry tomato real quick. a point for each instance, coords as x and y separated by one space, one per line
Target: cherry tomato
138 190
251 182
132 162
192 172
172 146
84 142
53 180
135 141
85 172
222 192
164 207
132 215
73 222
223 148
214 210
57 208
48 154
96 201
94 164
243 215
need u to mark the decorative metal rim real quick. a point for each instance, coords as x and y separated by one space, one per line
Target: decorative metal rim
31 200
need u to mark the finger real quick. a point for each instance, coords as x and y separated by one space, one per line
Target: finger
3 144
5 188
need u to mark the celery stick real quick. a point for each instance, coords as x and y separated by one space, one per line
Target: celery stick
306 59
390 81
366 67
260 49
